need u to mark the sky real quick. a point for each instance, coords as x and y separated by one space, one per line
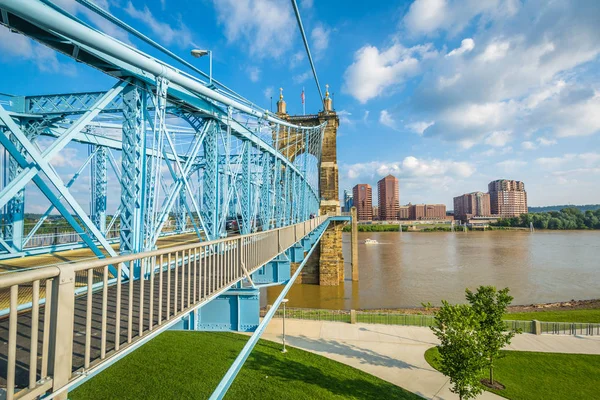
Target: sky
446 95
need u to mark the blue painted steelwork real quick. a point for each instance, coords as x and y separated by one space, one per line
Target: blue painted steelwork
265 192
235 310
211 184
235 368
133 180
276 271
246 190
99 187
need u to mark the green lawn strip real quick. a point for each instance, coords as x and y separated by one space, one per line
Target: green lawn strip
189 365
533 375
585 315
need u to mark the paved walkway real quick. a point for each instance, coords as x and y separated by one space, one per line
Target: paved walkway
395 353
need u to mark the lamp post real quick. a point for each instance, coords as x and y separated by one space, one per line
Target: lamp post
201 53
284 301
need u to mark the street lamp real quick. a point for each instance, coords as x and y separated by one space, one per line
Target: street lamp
284 301
201 53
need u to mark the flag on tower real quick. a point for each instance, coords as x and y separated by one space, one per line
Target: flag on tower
302 97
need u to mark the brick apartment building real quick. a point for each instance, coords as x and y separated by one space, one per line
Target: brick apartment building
508 198
469 205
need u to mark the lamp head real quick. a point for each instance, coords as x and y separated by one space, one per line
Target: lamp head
199 53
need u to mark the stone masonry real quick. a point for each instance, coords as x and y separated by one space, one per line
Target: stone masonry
329 270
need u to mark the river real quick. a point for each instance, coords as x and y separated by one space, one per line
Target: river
406 269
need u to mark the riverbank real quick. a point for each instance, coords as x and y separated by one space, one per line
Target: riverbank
566 311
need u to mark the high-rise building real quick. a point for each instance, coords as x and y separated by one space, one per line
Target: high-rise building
476 204
389 198
508 198
363 201
348 200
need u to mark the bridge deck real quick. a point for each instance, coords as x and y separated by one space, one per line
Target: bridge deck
24 322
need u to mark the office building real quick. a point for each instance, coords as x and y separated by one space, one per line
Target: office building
348 200
363 201
388 198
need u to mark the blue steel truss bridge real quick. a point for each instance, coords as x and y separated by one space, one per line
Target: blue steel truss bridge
213 198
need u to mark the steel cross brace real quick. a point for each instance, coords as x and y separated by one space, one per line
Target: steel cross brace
43 165
30 171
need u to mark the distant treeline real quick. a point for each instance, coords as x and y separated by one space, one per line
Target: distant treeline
567 218
582 208
377 228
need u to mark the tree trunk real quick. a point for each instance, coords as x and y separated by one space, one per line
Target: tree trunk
491 375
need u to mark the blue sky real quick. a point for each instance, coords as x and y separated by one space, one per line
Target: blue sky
446 95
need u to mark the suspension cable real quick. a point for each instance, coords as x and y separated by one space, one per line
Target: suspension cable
312 64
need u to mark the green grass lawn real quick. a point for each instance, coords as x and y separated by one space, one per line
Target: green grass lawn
586 315
189 365
532 375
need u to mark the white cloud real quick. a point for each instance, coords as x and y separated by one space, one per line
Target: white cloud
345 117
366 116
16 46
466 46
385 118
320 39
528 74
306 3
296 59
268 92
67 157
374 71
253 73
420 126
409 167
494 51
581 160
429 16
181 36
541 141
528 145
303 77
498 138
554 162
546 142
267 27
510 166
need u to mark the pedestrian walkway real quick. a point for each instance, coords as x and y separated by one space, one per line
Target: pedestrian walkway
396 353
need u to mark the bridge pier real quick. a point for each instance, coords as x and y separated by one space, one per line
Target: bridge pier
327 267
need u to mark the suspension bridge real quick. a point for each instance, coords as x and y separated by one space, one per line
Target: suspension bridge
214 198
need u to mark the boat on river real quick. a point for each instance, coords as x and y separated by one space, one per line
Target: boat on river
371 241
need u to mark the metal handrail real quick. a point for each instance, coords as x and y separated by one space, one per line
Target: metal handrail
175 281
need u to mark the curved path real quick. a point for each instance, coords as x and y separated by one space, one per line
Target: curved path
395 353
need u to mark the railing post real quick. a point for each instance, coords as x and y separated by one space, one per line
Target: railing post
537 327
352 316
60 356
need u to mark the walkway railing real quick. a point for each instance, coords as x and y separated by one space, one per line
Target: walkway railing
59 341
393 318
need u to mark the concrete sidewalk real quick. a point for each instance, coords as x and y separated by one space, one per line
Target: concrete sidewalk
396 353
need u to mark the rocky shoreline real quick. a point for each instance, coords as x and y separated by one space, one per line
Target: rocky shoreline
558 306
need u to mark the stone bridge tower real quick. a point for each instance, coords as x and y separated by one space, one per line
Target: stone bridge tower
326 266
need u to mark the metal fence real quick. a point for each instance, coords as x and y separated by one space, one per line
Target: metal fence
392 318
74 329
570 328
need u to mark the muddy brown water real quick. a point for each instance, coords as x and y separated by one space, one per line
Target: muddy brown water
406 269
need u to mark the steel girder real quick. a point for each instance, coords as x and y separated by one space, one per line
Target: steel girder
99 188
211 184
265 192
133 169
246 190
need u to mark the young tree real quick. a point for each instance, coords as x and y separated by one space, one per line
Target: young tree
494 333
457 328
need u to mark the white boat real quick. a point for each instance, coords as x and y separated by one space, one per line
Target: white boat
371 241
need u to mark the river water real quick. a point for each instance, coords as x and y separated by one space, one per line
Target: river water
409 268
